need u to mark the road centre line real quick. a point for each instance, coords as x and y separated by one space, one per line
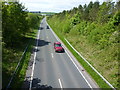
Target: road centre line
60 84
52 55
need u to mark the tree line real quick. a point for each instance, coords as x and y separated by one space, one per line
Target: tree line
16 22
95 21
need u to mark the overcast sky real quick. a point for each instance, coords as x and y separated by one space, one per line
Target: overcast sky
54 5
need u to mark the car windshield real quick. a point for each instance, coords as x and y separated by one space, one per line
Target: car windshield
57 45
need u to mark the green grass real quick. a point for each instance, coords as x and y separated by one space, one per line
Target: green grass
11 58
20 76
93 74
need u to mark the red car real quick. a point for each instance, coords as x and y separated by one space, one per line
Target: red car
58 47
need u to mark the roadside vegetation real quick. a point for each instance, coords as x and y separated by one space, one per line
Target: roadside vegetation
94 30
19 28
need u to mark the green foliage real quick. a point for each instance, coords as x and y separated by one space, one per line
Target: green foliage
116 19
17 23
67 26
93 12
33 20
14 23
75 19
94 30
105 13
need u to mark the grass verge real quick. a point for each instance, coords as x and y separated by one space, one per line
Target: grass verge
11 58
20 76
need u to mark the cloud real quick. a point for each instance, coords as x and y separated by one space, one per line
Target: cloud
53 5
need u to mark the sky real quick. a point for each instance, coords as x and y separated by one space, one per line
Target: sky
54 5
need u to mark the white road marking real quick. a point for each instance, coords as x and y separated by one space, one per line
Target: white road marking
89 64
71 59
60 84
34 61
52 55
79 70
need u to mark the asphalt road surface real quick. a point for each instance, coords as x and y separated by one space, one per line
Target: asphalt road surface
56 70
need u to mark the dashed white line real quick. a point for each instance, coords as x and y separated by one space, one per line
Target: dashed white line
52 55
60 84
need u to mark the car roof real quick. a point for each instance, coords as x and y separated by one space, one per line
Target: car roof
57 43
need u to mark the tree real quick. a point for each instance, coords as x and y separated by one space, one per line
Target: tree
87 11
105 12
74 11
94 11
117 6
14 23
33 20
80 9
116 19
76 19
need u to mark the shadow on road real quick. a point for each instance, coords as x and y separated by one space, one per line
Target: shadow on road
61 51
47 27
35 50
36 84
42 43
41 28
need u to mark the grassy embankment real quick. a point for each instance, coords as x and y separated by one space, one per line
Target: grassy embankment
18 31
84 37
11 58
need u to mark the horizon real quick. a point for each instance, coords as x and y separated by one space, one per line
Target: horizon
56 6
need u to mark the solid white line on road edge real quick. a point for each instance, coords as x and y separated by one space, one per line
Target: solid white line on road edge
78 69
90 65
34 61
60 84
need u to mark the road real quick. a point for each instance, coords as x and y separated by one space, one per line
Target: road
57 70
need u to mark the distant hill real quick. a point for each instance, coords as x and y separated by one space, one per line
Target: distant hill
43 13
48 13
